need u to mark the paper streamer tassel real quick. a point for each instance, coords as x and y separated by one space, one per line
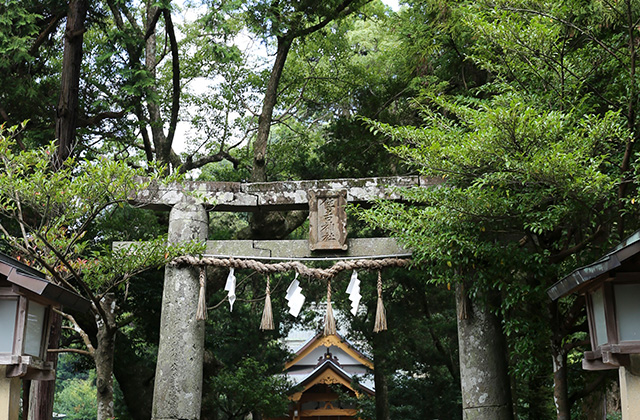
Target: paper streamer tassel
353 290
381 317
295 297
267 314
231 288
201 312
329 320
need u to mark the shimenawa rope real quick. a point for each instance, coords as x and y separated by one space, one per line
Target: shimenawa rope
317 273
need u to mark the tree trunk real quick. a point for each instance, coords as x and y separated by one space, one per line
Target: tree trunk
559 355
42 392
67 111
104 360
259 172
160 141
486 394
380 375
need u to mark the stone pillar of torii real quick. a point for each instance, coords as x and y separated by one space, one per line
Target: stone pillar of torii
178 381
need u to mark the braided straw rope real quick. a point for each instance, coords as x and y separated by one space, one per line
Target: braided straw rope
267 313
201 312
380 323
329 319
303 270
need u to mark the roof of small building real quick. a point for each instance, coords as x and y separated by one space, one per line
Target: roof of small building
327 340
347 372
36 282
612 260
307 380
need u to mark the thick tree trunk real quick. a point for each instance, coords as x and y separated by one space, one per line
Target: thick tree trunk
67 111
42 392
161 142
259 172
380 375
104 360
486 394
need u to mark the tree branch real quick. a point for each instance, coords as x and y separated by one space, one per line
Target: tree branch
221 155
607 48
555 258
95 119
344 6
151 26
51 27
76 327
78 351
175 69
588 389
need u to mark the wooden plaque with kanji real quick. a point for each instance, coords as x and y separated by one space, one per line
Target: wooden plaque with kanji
327 220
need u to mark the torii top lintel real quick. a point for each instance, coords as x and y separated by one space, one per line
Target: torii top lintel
283 195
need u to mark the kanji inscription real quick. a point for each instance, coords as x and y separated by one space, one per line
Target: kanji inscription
327 220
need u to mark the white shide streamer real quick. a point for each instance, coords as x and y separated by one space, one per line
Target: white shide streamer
231 288
295 297
353 290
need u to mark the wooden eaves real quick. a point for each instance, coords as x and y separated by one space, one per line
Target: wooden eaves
328 341
584 276
36 282
328 373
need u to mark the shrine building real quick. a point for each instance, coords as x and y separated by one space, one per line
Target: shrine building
321 369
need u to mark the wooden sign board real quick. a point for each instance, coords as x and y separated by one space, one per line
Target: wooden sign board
327 220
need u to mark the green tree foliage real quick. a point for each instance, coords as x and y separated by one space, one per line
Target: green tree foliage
45 216
247 388
243 364
29 66
76 391
534 161
77 399
419 350
529 169
349 69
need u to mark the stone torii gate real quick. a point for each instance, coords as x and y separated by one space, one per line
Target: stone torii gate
178 382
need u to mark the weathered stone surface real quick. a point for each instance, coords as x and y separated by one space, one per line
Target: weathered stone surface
287 195
297 248
483 374
357 247
178 384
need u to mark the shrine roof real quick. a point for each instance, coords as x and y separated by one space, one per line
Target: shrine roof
327 341
341 376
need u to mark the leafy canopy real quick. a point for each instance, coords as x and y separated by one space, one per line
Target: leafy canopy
507 167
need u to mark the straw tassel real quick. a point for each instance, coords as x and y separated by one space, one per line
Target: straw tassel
329 320
267 314
201 312
381 317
